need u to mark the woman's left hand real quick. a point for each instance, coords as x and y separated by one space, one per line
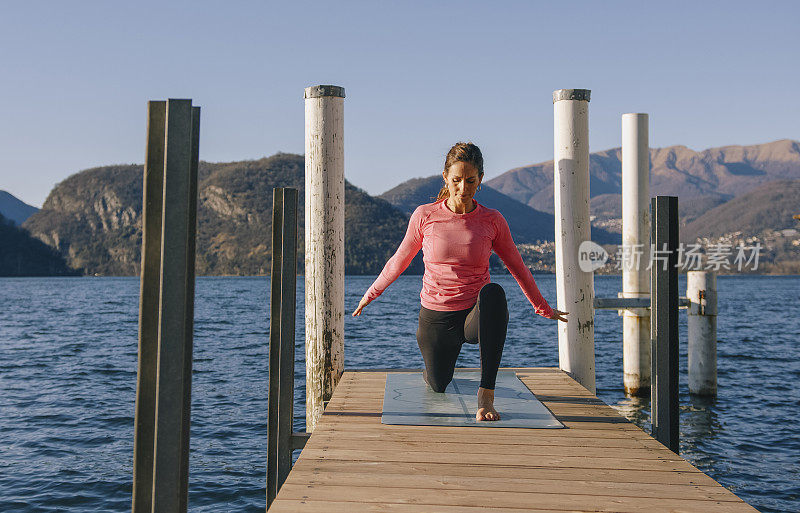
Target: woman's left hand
558 315
361 305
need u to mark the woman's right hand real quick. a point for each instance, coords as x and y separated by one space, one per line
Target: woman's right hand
361 306
558 315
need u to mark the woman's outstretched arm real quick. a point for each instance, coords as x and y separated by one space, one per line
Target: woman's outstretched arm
398 263
506 249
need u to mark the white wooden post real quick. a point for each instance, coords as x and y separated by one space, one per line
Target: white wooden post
575 288
636 248
324 260
701 290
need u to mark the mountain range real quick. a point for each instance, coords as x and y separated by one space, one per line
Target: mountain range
93 218
23 255
708 177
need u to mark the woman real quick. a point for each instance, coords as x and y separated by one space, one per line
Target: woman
457 236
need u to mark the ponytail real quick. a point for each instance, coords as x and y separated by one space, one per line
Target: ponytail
444 193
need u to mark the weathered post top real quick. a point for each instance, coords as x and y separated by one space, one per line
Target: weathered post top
319 91
324 234
571 94
574 283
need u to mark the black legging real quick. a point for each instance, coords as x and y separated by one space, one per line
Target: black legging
441 334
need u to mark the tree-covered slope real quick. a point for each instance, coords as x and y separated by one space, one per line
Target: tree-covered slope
23 255
769 207
94 219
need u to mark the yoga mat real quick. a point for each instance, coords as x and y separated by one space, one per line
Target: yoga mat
408 400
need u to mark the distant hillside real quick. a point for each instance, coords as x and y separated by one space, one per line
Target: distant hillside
771 205
412 193
14 209
22 255
527 224
94 219
715 175
609 206
691 208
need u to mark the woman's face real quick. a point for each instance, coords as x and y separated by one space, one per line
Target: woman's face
462 181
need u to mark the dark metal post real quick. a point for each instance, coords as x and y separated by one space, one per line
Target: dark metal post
175 333
144 424
280 438
274 345
664 322
288 307
190 279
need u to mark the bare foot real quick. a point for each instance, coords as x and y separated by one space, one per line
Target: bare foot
486 409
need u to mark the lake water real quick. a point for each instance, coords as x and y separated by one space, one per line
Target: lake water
68 383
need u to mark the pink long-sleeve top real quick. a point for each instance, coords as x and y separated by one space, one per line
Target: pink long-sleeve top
456 250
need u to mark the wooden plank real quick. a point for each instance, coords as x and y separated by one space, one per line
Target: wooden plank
575 416
458 447
326 506
565 414
349 478
576 422
574 412
345 402
488 458
355 371
503 472
486 437
554 501
375 404
375 389
477 434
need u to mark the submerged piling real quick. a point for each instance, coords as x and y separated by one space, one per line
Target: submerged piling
324 259
636 251
701 290
574 287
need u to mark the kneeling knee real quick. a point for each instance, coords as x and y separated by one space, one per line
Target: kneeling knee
493 292
439 388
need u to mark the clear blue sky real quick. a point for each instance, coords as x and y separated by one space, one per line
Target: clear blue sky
76 77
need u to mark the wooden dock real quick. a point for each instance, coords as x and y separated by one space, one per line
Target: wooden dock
601 462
